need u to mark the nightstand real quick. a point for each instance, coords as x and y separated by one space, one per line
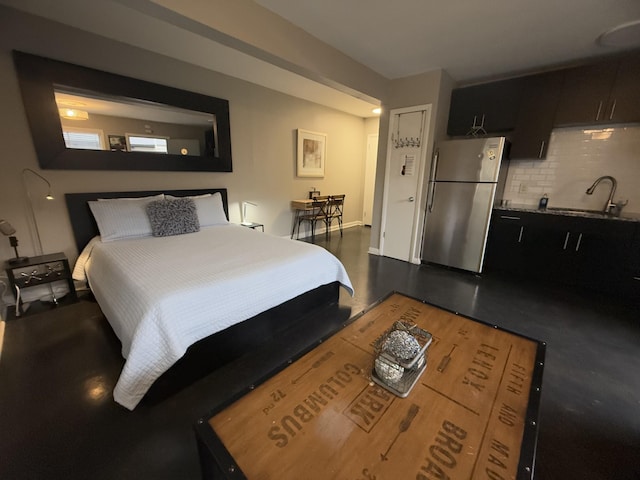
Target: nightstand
39 270
253 225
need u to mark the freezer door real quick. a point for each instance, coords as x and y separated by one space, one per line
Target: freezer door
457 224
468 160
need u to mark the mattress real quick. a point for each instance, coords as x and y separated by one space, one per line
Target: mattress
162 294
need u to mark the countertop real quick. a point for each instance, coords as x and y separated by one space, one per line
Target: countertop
624 217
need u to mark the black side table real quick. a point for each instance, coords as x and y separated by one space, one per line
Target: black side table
39 270
253 225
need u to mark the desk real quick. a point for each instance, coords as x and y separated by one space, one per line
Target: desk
301 207
473 413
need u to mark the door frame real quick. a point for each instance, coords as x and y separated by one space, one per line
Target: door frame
369 177
419 210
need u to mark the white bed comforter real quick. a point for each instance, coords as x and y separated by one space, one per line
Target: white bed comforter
162 294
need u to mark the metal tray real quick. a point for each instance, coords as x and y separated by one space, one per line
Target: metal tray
402 387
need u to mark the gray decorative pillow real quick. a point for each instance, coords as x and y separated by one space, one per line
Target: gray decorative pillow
173 217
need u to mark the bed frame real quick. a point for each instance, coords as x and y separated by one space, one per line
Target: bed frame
219 349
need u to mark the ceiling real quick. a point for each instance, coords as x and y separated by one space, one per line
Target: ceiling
469 39
472 41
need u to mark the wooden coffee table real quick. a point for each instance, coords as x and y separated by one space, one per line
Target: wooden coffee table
472 414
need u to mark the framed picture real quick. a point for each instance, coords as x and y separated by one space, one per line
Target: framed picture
117 143
312 148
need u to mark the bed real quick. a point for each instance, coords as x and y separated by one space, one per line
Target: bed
223 286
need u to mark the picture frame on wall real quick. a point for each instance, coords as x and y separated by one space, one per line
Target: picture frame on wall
117 143
311 157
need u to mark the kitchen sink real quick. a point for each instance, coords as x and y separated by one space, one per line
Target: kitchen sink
580 212
575 210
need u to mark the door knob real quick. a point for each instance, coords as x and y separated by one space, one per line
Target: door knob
411 199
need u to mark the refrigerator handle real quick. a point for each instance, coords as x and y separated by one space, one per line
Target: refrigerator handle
433 194
434 168
434 164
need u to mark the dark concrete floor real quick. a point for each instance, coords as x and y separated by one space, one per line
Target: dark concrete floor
57 370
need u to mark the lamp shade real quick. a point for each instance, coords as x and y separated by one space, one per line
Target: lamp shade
6 228
244 212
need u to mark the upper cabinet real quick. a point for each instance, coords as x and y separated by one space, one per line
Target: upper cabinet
540 97
625 95
484 109
526 109
601 93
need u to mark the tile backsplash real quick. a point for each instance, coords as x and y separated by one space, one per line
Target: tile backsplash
575 159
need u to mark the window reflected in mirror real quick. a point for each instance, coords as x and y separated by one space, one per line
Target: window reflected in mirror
94 121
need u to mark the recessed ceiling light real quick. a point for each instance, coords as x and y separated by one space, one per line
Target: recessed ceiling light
625 35
73 114
377 110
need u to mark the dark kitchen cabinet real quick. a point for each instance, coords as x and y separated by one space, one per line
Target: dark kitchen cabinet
540 97
585 252
596 252
505 245
625 96
631 274
487 108
601 93
585 94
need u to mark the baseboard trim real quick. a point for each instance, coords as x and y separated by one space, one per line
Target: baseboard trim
322 230
374 251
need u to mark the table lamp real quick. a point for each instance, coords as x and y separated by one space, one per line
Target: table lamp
7 229
244 212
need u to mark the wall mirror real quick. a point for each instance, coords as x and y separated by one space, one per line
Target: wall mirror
86 119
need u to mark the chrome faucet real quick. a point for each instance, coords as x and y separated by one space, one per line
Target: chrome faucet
609 206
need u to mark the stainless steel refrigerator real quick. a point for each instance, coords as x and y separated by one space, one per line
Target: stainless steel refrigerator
466 178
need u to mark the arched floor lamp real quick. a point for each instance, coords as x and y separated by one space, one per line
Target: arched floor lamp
32 215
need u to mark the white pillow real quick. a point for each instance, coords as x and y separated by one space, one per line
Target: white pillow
209 207
210 210
159 196
118 219
78 269
204 195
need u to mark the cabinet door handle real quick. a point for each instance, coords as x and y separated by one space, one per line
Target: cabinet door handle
508 217
578 242
636 278
566 240
599 110
613 109
541 149
520 236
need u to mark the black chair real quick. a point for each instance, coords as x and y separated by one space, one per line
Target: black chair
336 206
317 213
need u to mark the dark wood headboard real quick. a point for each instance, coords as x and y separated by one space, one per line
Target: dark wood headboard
84 225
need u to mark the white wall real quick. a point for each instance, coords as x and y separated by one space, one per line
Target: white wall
431 88
263 126
575 159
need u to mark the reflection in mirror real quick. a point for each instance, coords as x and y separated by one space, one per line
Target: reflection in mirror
94 121
86 119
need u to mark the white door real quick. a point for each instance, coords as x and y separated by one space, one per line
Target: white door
369 177
402 217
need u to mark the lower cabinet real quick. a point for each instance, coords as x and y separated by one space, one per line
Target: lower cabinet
631 276
585 252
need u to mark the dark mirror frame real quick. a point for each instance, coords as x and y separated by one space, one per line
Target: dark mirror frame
37 77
